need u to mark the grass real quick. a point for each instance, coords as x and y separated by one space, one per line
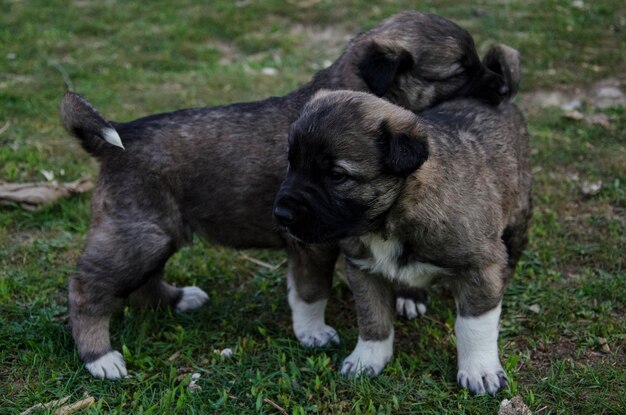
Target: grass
131 59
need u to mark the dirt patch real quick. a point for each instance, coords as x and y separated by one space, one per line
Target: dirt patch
326 41
603 94
566 349
228 51
333 38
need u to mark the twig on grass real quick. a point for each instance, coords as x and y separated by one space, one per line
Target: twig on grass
275 405
262 263
76 406
51 404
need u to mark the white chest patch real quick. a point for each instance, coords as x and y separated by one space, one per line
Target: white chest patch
384 259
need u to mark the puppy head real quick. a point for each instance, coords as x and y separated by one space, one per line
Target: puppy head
349 155
417 60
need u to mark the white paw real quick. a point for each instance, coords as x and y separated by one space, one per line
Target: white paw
409 308
368 358
480 370
309 324
479 379
109 366
320 336
193 297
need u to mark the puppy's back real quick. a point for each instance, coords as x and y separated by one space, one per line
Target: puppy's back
494 129
491 142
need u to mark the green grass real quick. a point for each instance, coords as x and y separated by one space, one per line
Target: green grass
131 59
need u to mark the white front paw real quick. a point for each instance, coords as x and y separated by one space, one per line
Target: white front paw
319 336
368 358
480 370
309 325
108 366
409 308
193 297
480 378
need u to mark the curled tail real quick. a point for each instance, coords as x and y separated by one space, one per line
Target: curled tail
84 122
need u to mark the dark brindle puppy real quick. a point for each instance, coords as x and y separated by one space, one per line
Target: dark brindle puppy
216 170
411 197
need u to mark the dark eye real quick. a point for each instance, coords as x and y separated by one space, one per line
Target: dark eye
339 176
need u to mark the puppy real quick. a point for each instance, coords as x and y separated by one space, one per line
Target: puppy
215 171
445 194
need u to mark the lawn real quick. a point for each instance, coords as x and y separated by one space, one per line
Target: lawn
563 337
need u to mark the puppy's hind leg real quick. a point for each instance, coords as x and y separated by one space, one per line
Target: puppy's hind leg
411 301
118 259
158 293
309 282
479 302
91 307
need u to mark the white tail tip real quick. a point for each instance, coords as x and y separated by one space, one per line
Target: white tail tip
112 137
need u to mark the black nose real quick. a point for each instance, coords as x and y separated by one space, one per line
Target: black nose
284 215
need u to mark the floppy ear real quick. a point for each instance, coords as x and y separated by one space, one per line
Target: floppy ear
379 67
505 61
402 153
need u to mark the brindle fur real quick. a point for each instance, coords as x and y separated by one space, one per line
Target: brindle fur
446 190
215 170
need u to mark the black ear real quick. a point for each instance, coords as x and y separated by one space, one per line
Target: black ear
379 67
402 154
505 61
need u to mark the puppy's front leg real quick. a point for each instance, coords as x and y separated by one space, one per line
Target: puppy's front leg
374 299
479 302
309 281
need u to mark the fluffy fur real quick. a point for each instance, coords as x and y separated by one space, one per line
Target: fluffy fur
215 171
445 194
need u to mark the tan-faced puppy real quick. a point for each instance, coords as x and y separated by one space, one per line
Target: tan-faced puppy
445 193
215 171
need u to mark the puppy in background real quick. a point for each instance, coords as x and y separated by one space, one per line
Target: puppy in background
443 194
215 171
